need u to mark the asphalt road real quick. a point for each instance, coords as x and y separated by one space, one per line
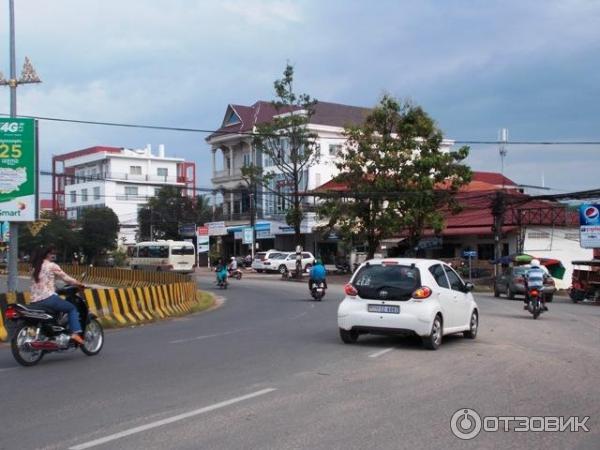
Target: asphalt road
267 370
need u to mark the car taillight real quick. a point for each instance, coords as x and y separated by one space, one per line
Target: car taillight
350 290
519 280
422 293
11 313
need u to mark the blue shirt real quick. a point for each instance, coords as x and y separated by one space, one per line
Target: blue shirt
535 277
318 273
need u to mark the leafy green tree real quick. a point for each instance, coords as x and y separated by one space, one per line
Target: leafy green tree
161 217
98 232
398 178
59 232
287 142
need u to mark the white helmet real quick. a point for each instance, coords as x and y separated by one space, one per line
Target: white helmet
233 258
535 263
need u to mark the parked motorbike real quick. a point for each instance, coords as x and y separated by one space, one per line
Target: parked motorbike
535 305
318 291
38 330
343 268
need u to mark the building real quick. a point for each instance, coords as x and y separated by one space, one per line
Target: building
231 147
120 178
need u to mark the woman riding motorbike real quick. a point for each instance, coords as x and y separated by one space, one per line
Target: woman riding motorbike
43 290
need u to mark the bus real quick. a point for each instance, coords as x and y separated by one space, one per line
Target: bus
172 256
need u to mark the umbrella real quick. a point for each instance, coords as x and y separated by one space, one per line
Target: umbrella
554 266
523 258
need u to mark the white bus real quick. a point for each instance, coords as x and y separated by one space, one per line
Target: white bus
175 256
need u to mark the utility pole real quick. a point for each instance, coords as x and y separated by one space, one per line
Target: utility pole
27 76
498 208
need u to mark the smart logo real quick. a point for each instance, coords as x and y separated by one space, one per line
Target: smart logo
589 215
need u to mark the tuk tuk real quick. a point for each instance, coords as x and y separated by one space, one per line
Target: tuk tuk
585 282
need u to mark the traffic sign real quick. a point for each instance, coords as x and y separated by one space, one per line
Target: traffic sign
469 254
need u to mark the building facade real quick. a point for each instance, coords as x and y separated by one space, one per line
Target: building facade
232 149
119 178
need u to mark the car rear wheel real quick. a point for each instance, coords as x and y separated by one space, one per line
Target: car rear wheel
308 267
510 294
348 336
282 269
259 270
496 291
473 326
434 340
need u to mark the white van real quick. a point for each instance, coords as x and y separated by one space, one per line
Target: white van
172 256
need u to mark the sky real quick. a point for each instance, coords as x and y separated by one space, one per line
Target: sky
475 66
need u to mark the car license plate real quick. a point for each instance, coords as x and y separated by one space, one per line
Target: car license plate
386 309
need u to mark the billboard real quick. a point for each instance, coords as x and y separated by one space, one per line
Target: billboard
589 226
18 170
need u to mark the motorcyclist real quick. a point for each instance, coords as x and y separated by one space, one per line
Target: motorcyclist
318 274
233 265
534 279
43 290
221 271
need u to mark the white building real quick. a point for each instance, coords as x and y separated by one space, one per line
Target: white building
119 178
231 147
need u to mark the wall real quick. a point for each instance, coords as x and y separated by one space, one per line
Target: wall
559 243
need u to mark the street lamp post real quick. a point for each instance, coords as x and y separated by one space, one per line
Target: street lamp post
28 76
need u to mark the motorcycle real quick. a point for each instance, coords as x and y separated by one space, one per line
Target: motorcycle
39 330
237 274
318 291
535 305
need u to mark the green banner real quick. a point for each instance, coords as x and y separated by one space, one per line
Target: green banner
18 170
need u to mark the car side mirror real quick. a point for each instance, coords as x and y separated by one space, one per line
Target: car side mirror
469 286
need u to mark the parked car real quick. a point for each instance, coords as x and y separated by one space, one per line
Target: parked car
261 257
422 297
288 263
511 282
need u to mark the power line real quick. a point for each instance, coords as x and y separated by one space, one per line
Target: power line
252 134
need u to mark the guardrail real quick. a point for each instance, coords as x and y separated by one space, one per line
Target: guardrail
114 276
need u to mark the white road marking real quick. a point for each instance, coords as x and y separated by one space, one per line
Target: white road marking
206 336
160 423
6 369
381 352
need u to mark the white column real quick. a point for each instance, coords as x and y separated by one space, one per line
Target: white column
231 206
231 162
214 161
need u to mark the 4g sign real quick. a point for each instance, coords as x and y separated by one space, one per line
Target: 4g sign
18 170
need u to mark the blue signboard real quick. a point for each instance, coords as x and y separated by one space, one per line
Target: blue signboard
589 215
469 254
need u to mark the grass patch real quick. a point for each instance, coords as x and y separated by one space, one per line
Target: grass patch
204 301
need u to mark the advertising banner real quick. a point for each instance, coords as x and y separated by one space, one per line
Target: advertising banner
18 170
247 235
216 228
589 226
203 243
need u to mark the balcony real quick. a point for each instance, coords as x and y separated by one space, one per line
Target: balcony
221 176
116 176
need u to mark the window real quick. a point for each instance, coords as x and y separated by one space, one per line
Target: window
231 119
439 275
162 172
73 196
84 195
158 251
131 191
247 159
398 282
335 149
97 193
135 170
538 235
182 250
456 283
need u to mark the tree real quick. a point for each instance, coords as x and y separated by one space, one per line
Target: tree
98 233
398 178
59 232
287 142
167 210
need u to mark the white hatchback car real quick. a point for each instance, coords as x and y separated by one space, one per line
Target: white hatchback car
407 296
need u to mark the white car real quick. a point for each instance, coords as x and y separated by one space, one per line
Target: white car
260 258
286 262
407 296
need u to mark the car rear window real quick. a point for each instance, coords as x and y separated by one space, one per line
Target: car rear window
260 256
398 282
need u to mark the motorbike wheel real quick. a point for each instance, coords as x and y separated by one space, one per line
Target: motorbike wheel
537 311
24 356
238 276
93 337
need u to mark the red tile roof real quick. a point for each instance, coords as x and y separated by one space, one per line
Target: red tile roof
493 178
325 113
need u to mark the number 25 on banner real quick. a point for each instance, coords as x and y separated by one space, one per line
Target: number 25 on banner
10 151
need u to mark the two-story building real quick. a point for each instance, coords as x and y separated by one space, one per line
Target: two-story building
120 178
232 149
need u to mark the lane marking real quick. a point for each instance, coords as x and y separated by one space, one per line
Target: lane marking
206 336
381 352
160 423
6 369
